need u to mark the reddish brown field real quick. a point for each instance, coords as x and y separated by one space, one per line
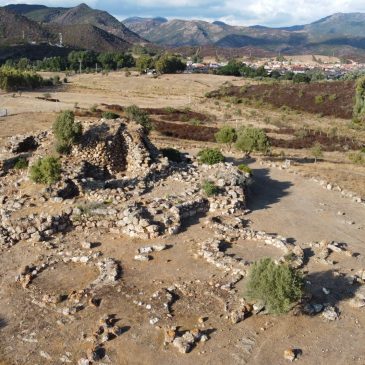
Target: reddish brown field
337 96
185 131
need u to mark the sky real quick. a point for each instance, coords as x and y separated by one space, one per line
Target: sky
236 12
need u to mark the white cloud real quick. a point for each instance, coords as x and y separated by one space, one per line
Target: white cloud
238 12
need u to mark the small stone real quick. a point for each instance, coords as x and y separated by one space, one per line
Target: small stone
45 355
170 334
258 307
289 355
237 316
204 338
330 313
142 258
159 248
87 245
83 362
145 250
154 320
318 308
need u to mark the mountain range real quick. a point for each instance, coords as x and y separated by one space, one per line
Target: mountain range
86 28
340 33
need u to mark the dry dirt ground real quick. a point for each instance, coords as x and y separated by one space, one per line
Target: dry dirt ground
281 203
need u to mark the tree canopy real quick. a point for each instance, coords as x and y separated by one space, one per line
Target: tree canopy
169 64
251 139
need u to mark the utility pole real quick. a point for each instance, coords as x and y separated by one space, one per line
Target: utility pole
80 69
61 39
96 67
23 34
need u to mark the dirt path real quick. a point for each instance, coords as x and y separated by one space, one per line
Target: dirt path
298 208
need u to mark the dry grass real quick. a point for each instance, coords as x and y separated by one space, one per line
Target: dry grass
179 91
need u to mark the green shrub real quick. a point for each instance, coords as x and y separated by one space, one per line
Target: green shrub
55 80
172 154
139 116
169 110
226 135
278 286
332 97
185 118
110 115
357 157
94 108
251 139
66 131
359 108
301 133
298 78
209 188
63 148
244 168
319 99
195 122
169 64
12 79
21 163
210 156
316 151
46 170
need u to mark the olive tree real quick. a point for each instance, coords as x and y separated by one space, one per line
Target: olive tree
66 131
251 139
316 151
359 108
226 135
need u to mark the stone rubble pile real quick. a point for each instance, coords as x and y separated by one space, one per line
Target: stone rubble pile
116 146
36 227
211 251
184 343
325 248
74 301
25 143
106 331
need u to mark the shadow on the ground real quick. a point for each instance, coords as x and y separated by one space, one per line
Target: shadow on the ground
191 221
2 323
340 287
264 191
245 160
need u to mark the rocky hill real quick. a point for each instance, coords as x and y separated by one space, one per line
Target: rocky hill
79 15
340 33
89 37
17 30
14 27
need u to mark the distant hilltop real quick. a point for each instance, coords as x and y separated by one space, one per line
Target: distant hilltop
340 34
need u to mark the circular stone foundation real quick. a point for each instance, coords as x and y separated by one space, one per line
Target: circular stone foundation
64 278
